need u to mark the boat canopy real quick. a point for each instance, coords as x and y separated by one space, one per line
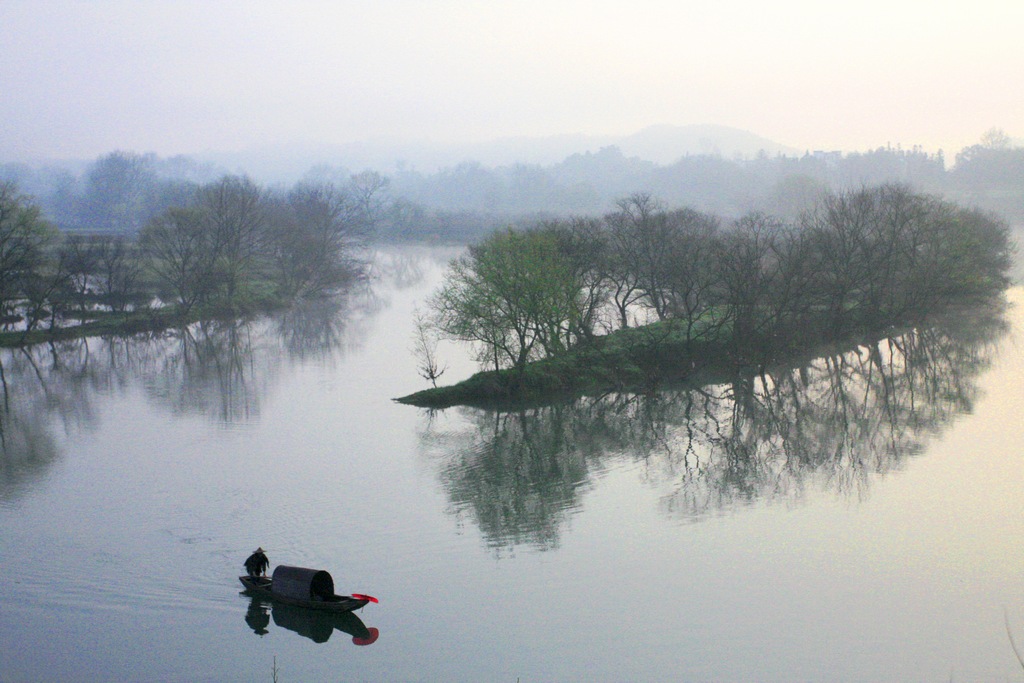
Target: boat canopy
299 583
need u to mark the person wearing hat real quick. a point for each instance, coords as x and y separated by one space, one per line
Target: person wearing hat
257 563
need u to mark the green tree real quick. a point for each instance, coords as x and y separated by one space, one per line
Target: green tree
967 256
24 236
515 294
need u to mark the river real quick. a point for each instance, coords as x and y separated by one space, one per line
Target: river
856 518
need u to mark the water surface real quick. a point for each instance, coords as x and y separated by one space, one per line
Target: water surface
855 518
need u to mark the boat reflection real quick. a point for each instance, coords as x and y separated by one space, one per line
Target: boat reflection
315 625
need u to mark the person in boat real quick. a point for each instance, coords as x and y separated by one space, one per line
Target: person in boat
257 563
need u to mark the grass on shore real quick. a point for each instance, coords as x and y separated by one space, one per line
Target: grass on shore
631 359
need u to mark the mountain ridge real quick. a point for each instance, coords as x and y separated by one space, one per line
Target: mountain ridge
661 144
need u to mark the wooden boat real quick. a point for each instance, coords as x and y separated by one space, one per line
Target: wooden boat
311 588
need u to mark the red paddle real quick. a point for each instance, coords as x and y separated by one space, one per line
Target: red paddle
368 598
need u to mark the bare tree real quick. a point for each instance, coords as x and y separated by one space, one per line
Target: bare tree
746 258
80 257
691 282
120 269
234 212
316 234
425 349
635 255
182 254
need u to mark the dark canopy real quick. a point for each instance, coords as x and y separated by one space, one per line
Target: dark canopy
299 583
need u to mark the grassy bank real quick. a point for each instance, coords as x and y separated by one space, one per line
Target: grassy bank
641 360
633 359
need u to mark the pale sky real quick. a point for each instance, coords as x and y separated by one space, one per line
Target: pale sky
78 79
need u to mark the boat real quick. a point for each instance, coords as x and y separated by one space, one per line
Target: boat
310 588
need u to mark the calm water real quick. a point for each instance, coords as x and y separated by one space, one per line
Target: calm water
857 519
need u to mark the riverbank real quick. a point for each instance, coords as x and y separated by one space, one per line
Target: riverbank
644 359
633 359
143 321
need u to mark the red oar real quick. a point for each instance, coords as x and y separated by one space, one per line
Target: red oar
368 598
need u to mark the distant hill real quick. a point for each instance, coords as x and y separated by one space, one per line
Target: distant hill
663 144
667 144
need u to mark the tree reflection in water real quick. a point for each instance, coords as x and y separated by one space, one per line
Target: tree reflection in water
827 423
220 369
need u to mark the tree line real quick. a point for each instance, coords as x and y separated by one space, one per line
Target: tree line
989 174
223 246
122 191
860 261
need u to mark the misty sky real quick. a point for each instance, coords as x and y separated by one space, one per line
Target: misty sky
78 79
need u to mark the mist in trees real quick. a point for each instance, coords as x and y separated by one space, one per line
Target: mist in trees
224 247
122 191
987 175
117 193
860 261
320 230
235 240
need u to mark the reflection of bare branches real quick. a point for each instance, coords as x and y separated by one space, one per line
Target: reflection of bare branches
27 450
224 368
208 368
313 328
57 374
404 267
832 423
221 369
27 447
403 270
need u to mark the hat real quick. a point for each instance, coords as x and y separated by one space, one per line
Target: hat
259 550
